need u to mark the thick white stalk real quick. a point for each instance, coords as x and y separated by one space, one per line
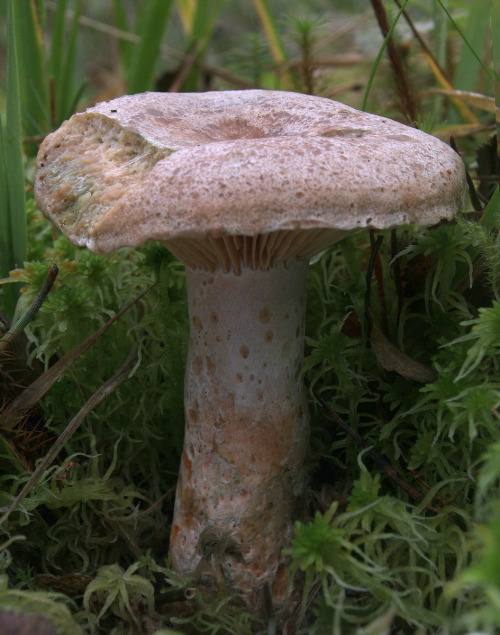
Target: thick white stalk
247 427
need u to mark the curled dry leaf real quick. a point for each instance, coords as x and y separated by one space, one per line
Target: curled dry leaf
69 583
477 100
392 359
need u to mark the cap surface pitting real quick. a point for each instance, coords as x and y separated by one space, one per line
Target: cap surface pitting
166 166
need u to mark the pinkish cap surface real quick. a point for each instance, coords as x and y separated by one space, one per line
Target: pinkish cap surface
17 623
177 166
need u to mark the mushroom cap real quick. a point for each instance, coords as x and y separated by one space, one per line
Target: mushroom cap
206 166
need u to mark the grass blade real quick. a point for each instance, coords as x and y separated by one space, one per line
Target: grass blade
203 22
5 233
495 53
151 28
33 87
57 50
495 41
273 40
7 339
62 63
440 50
465 40
379 56
126 47
200 23
65 88
186 10
13 146
475 39
407 104
465 113
437 61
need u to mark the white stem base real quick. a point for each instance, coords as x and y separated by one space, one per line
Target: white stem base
247 428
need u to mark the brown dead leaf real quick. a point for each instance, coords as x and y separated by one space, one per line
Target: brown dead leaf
392 359
461 130
477 100
69 583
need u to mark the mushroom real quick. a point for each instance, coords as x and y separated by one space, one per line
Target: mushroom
243 187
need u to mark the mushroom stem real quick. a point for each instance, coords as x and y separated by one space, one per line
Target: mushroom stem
247 427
